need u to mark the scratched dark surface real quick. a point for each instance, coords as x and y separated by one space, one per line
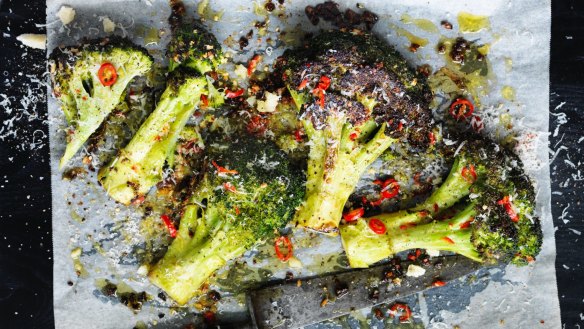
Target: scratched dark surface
25 198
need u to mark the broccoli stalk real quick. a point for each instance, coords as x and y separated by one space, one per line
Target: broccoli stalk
190 260
355 97
248 192
139 166
496 224
335 164
78 82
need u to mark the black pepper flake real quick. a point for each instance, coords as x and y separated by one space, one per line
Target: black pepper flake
160 315
162 296
243 42
109 289
69 283
425 70
446 24
441 48
270 6
289 277
459 50
414 47
378 313
214 295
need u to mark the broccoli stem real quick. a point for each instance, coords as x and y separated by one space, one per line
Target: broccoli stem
139 165
198 250
364 247
180 277
446 235
335 164
454 188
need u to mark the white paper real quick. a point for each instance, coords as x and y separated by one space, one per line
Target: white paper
513 298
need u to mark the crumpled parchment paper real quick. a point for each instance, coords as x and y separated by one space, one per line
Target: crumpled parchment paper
101 235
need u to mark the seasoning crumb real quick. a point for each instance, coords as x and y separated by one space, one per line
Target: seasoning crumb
324 301
378 313
270 6
446 24
243 42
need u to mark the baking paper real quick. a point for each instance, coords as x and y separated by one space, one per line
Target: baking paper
100 236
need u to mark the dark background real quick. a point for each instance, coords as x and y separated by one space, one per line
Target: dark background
25 198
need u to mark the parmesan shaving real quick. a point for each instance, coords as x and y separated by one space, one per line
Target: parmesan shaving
415 271
108 25
66 15
37 41
270 104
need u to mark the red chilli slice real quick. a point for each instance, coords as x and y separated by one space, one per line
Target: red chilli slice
461 109
506 203
321 98
403 308
438 283
283 241
298 135
324 83
469 174
234 93
205 100
107 74
253 63
432 138
229 187
377 226
353 215
466 224
302 84
447 239
169 225
223 170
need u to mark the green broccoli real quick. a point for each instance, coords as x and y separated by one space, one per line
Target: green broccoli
90 81
493 202
248 192
355 96
139 166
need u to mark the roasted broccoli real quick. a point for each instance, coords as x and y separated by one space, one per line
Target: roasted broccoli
139 166
484 210
89 82
248 192
355 96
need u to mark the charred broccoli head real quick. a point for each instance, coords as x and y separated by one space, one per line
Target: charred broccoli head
248 192
89 81
493 219
355 97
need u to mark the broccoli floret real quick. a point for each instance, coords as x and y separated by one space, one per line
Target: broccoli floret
193 46
89 81
139 166
496 224
355 96
248 192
